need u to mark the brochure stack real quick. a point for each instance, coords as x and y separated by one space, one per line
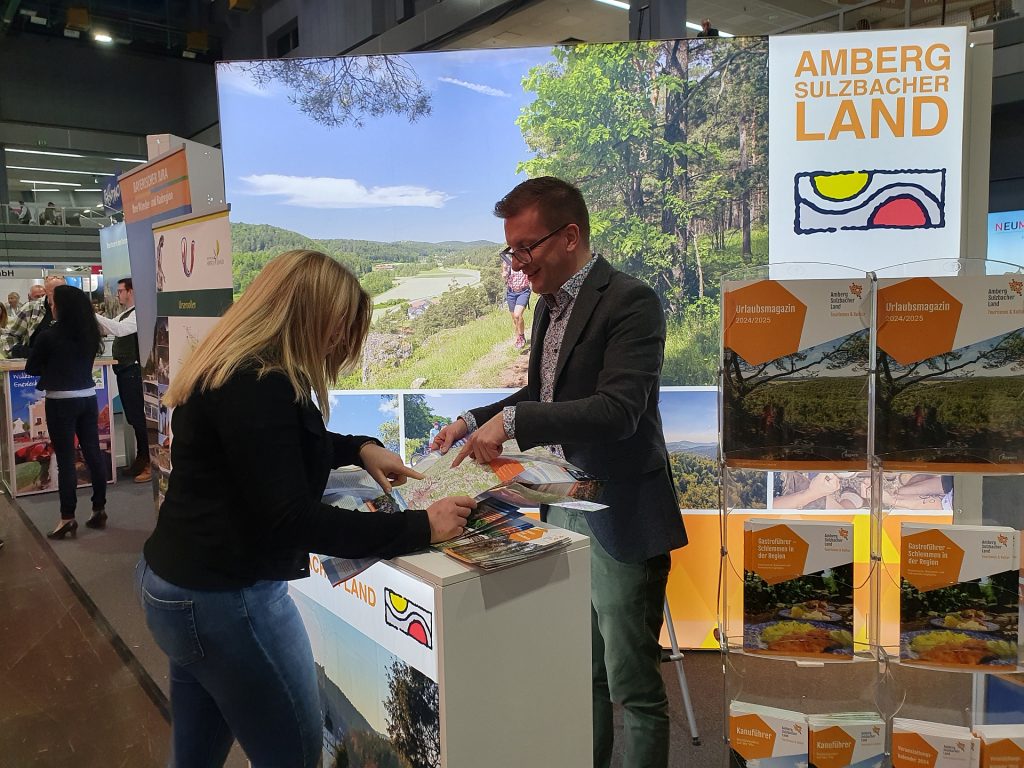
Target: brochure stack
845 740
798 588
959 604
766 736
1002 746
922 744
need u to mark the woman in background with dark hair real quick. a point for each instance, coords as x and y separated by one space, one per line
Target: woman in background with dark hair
62 356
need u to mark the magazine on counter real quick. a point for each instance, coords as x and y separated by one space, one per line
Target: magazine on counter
959 604
923 744
498 534
767 737
355 489
846 740
798 588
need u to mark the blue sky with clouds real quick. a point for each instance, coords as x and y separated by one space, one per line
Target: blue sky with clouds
355 413
435 179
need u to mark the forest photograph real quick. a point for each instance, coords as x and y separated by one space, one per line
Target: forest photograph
811 405
961 406
392 165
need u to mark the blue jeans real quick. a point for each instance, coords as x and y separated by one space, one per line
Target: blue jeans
241 668
66 419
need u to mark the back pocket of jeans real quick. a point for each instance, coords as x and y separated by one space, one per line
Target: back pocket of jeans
173 625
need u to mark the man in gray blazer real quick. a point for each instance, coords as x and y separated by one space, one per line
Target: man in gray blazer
598 345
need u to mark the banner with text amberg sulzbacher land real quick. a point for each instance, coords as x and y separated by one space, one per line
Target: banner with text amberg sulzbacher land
866 146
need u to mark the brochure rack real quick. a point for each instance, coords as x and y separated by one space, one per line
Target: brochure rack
804 441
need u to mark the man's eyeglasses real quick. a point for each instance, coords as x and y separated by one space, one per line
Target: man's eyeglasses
524 255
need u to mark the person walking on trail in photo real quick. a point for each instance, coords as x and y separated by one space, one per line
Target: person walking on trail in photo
129 375
517 296
597 348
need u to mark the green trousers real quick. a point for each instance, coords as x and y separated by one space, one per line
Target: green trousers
626 609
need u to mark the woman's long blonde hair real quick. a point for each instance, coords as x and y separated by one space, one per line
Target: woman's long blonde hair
305 315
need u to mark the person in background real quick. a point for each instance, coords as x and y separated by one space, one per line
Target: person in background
4 319
517 296
128 370
62 356
35 291
36 315
50 215
20 213
13 304
243 509
598 344
706 30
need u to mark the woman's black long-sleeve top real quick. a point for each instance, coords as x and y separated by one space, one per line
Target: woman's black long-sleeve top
61 362
243 503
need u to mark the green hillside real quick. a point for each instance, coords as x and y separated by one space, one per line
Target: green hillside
253 245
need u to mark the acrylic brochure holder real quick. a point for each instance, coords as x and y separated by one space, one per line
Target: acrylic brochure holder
864 423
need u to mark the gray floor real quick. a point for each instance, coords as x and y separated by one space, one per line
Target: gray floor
101 564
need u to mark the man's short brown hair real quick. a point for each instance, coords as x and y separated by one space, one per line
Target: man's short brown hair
559 203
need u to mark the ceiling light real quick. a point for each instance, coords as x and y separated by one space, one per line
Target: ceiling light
188 54
41 152
38 20
101 37
88 190
74 34
616 4
57 183
46 190
128 159
58 170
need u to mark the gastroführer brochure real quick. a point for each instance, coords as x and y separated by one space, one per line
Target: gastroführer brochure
924 744
766 737
798 588
845 740
795 386
949 374
959 604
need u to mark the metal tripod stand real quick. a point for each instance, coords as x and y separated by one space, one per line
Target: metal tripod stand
676 658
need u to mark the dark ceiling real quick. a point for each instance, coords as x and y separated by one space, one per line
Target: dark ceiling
178 28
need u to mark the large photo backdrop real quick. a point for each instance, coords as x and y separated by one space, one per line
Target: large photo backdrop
392 164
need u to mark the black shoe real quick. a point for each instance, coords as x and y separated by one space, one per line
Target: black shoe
98 519
64 528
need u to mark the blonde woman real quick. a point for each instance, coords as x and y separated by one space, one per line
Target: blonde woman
250 457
